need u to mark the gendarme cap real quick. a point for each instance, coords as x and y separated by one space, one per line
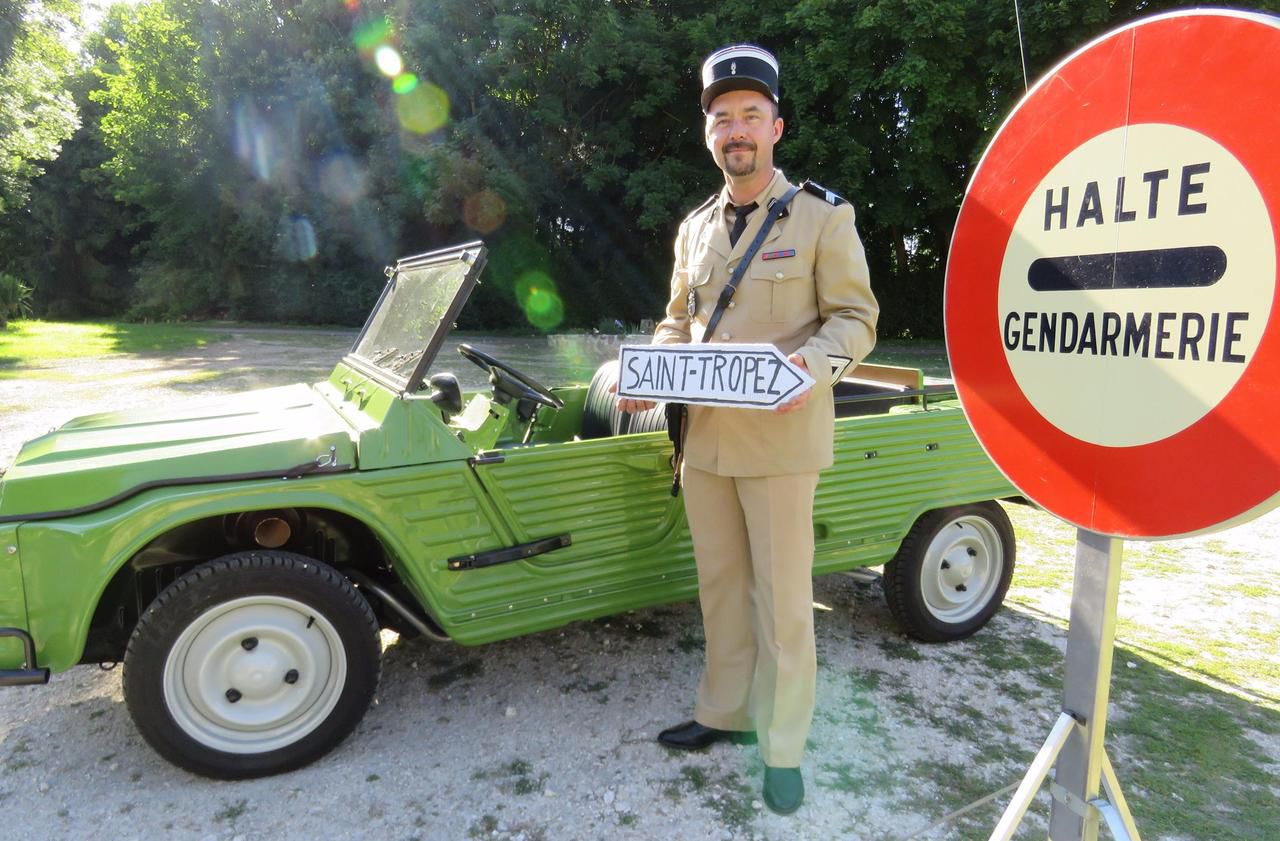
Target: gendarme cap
739 67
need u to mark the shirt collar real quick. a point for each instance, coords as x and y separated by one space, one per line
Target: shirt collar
775 189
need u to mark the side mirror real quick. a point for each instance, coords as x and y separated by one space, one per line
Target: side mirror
446 393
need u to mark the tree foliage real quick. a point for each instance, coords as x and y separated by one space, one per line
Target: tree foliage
36 112
263 159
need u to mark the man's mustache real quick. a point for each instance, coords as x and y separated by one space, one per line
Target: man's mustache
739 146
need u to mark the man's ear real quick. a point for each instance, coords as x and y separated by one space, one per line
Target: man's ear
777 129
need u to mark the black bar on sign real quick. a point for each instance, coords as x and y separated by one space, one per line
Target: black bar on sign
1159 268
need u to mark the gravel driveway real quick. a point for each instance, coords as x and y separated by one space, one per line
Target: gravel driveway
551 736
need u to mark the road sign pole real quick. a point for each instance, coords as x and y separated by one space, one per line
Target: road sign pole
1075 747
1087 682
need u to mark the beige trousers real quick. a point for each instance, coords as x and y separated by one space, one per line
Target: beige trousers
753 540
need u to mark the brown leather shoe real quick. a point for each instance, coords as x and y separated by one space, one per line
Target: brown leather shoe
693 736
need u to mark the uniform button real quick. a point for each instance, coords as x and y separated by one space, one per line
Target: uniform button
779 275
725 336
732 304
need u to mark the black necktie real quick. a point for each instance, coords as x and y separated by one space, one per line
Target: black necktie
740 222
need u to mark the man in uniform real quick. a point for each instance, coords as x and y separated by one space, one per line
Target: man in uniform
749 475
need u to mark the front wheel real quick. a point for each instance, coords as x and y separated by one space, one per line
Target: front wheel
252 664
951 572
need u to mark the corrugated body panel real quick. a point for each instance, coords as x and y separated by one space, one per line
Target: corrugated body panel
629 546
442 513
864 508
888 471
611 498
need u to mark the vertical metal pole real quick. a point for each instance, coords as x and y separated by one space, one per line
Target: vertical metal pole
1087 681
1022 49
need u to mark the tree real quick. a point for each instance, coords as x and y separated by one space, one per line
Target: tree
36 112
73 240
265 158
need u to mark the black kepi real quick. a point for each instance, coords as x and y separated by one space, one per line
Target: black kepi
739 67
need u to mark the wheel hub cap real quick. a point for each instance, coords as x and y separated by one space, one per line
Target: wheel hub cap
962 569
243 698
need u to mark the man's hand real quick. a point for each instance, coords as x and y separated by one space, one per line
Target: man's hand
799 400
630 404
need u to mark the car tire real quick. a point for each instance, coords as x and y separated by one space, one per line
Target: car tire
951 572
252 664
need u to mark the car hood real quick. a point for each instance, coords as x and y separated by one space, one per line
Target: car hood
95 460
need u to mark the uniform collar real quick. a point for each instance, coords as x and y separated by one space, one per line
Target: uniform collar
776 187
719 239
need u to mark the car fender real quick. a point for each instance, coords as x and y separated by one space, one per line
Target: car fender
90 550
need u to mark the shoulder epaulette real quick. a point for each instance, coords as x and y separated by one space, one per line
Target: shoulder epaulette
823 193
710 201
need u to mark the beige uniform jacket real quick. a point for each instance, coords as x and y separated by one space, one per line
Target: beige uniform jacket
817 302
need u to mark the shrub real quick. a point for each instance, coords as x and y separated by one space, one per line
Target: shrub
15 299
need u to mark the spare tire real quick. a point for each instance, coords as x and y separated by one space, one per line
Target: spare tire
601 417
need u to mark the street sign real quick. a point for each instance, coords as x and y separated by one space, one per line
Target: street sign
745 376
1111 285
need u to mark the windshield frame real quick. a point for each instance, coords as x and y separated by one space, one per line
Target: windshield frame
473 255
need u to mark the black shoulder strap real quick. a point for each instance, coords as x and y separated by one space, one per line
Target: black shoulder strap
823 193
776 209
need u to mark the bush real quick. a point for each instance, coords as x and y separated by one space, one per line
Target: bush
15 299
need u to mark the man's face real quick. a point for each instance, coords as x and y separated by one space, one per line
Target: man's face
741 132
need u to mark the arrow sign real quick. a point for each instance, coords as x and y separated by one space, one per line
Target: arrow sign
737 376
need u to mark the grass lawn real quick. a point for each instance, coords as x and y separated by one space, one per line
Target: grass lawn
36 344
929 355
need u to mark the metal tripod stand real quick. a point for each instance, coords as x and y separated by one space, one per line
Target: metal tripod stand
1076 742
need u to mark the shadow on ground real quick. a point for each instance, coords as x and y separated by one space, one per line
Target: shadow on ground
551 737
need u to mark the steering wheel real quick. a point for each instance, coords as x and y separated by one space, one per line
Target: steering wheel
508 380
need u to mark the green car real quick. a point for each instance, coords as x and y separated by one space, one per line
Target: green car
241 554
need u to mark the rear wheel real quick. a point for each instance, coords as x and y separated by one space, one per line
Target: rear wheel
951 572
253 664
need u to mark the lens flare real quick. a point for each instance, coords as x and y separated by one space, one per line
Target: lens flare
341 179
423 109
536 294
484 212
371 33
297 238
254 143
404 83
388 61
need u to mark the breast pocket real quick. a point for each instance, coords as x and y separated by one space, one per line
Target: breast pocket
781 291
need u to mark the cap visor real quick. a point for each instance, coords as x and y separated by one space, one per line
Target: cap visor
733 83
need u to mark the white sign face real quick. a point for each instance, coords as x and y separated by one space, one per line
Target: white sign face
1137 284
737 376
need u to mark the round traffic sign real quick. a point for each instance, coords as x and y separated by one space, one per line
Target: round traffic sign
1112 281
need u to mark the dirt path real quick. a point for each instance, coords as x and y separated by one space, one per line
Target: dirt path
551 736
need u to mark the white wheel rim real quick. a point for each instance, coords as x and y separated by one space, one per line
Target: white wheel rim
255 674
962 568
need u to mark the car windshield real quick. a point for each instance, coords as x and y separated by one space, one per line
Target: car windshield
416 311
